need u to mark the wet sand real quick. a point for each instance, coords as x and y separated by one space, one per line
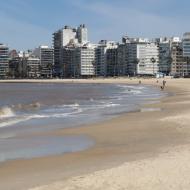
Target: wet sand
146 146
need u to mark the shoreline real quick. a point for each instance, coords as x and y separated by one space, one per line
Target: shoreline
130 80
119 140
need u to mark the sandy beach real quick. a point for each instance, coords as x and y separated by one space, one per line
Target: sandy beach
148 149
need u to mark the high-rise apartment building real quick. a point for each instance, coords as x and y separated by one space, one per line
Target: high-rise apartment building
122 55
4 60
63 38
13 64
101 56
186 44
68 34
179 66
112 62
45 54
85 61
148 59
82 34
164 55
142 57
32 67
57 46
69 63
19 67
186 50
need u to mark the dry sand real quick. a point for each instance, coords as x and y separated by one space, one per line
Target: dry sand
169 171
142 150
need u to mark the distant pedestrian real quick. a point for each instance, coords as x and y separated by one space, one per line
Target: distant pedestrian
164 84
140 82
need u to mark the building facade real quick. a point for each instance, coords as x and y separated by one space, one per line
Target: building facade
164 55
32 67
58 46
4 61
102 48
141 56
84 61
14 67
148 59
112 62
63 38
69 63
45 54
179 66
79 61
82 34
186 44
122 56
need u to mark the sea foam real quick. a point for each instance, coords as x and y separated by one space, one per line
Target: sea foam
6 112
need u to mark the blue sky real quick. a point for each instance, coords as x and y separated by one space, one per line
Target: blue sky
28 23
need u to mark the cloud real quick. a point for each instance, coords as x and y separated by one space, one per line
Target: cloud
25 24
133 18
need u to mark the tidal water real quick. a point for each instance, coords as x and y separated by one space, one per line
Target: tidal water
26 109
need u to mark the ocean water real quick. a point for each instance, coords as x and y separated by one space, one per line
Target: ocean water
26 109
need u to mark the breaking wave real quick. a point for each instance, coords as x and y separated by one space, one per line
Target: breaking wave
6 112
15 119
125 98
35 105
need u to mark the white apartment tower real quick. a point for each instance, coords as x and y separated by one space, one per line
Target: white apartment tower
85 61
148 56
65 37
101 56
32 67
61 38
142 57
82 34
68 35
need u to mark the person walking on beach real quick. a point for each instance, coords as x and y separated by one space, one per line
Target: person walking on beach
163 85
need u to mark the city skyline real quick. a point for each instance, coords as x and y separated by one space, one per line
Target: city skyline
27 25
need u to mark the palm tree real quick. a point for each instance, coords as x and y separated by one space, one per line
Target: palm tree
136 62
169 61
28 69
50 67
153 60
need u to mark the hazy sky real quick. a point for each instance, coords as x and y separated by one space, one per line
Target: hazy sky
28 23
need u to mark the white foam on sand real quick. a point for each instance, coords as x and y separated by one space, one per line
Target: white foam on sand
168 171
